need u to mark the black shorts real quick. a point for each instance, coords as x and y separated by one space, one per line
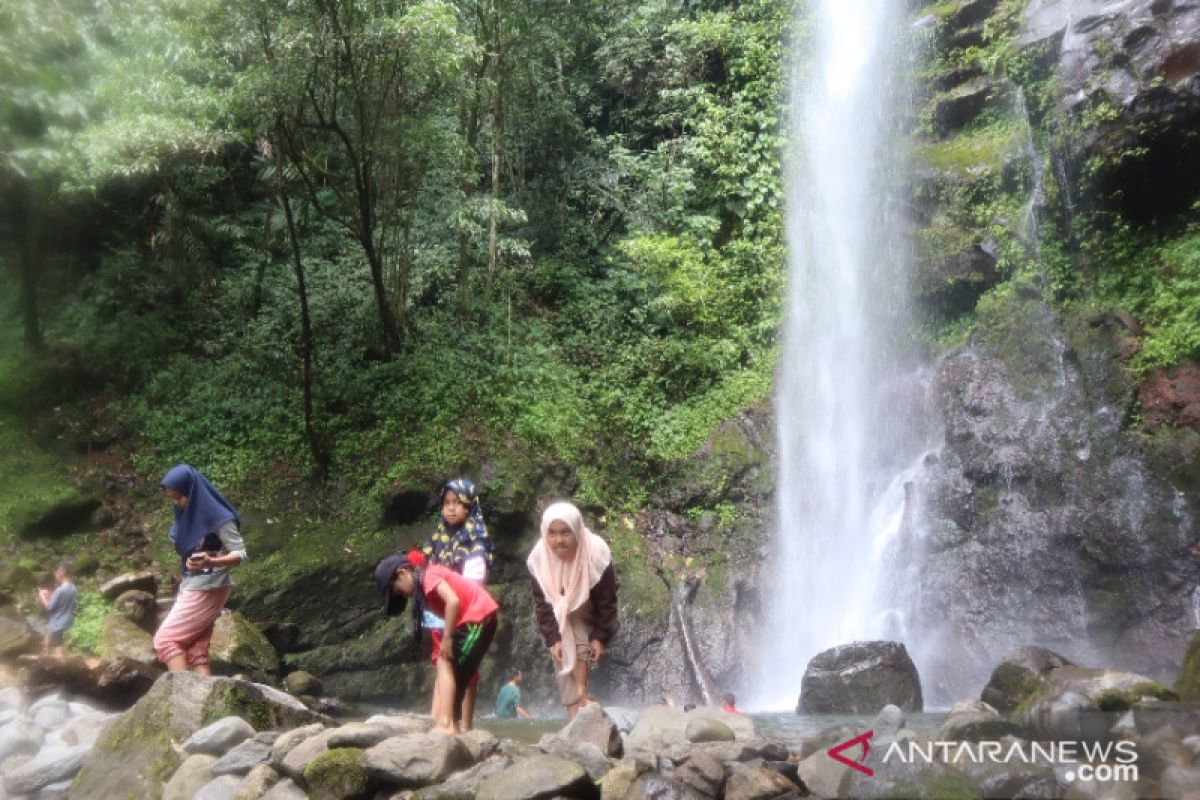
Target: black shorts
471 642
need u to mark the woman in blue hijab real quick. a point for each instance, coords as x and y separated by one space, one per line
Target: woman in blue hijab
206 536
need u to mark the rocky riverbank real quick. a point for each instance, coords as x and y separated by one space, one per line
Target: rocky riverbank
1043 728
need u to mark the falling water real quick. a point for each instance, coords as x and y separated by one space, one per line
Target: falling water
850 400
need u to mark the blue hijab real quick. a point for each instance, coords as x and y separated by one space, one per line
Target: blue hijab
206 509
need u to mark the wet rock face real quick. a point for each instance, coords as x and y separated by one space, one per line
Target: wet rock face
1135 67
1041 519
860 678
1172 397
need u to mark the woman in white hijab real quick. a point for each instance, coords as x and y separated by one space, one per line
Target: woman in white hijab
575 597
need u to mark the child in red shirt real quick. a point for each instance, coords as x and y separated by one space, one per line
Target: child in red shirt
468 610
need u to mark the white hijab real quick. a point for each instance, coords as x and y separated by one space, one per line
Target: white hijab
567 585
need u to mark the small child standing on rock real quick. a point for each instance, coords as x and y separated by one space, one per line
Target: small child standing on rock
466 609
61 605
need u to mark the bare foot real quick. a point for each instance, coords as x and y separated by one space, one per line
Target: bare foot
447 729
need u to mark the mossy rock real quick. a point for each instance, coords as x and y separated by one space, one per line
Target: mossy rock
136 755
16 637
1187 685
1019 678
1123 700
120 637
239 647
84 565
70 512
335 774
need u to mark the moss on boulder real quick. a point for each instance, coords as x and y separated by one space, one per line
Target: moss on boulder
1187 685
335 774
238 647
135 756
120 637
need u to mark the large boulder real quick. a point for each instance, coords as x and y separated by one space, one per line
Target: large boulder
336 774
757 782
860 678
974 721
20 736
585 754
537 777
140 751
700 730
139 607
119 682
145 580
120 637
415 760
902 778
50 765
16 638
238 647
301 682
189 778
1082 704
594 726
219 737
1187 685
465 783
660 727
1020 676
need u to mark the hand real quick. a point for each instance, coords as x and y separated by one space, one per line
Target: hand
198 560
556 652
597 651
1196 549
446 651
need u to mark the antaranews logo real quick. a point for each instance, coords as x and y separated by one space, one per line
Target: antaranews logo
835 752
1085 761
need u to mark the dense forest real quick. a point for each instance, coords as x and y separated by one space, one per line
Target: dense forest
366 242
335 252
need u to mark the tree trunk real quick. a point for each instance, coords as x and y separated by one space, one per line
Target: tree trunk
260 272
25 223
319 453
497 139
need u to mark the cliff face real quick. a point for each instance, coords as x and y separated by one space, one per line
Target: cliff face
1059 138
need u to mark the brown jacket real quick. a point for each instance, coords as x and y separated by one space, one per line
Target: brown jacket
603 599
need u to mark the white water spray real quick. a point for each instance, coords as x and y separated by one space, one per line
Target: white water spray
850 403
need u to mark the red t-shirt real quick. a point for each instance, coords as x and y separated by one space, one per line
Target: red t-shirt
475 604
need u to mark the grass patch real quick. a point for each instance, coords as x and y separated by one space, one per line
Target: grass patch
31 479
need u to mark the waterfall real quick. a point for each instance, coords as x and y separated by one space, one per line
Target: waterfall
851 403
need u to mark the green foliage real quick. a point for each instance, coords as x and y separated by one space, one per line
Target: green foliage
641 258
1156 277
84 635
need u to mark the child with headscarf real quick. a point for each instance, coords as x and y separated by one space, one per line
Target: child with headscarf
460 543
575 598
205 534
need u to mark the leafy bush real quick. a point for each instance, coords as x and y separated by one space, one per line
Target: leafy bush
84 635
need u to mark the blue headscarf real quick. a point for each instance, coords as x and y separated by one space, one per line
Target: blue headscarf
450 545
206 509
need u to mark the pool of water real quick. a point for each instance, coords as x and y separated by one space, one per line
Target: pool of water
786 728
